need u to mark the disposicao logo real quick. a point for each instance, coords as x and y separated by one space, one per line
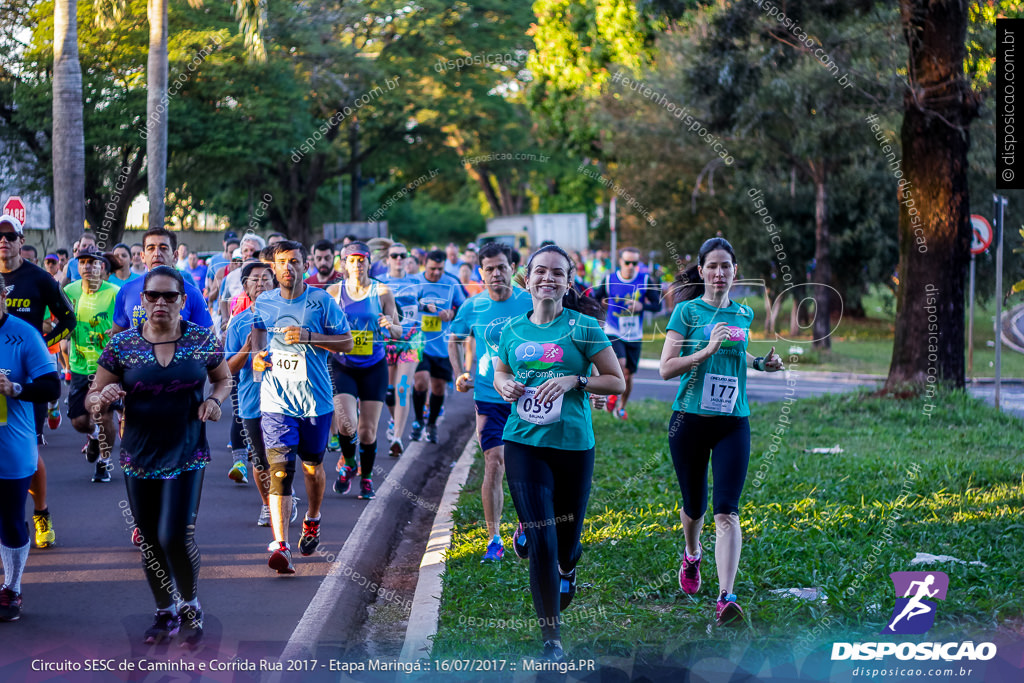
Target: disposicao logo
914 613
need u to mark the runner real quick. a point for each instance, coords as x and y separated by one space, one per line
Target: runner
121 271
706 346
86 241
159 369
402 355
542 364
27 376
93 301
257 278
303 325
323 262
158 247
439 295
477 328
30 292
626 294
362 373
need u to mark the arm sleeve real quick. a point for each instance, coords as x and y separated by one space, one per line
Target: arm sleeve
44 388
59 307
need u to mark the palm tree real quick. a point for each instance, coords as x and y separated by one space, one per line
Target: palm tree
68 127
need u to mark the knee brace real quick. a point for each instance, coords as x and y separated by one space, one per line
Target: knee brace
389 398
282 470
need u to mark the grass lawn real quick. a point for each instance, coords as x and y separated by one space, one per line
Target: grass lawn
859 345
950 484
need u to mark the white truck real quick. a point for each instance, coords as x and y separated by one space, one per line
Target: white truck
527 232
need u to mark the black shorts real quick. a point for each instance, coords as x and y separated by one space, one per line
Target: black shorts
76 395
630 351
439 367
368 383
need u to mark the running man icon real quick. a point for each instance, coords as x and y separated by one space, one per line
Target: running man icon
914 612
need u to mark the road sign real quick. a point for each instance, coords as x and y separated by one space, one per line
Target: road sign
981 231
15 207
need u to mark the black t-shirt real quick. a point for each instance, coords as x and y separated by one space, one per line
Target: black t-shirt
30 291
163 435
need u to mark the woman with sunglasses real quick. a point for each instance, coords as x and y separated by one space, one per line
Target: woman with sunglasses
362 373
544 359
706 346
159 369
403 355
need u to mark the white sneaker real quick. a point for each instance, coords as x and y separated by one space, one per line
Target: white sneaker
264 519
391 430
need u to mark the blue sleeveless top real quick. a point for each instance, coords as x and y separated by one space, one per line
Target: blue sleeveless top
363 316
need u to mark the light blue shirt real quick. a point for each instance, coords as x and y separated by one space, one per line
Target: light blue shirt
23 358
299 385
248 391
446 293
485 318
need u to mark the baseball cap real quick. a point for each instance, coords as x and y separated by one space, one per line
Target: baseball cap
15 223
51 257
237 253
93 253
355 249
230 236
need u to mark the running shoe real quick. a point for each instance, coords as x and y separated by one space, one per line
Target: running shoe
281 560
728 612
495 551
553 651
264 519
310 538
417 431
396 448
432 433
334 444
92 450
10 604
610 405
295 509
567 587
239 473
136 537
366 490
191 627
391 430
102 473
45 537
519 543
53 416
689 573
622 414
166 625
344 483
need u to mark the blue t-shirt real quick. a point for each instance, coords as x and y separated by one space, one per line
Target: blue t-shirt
23 358
129 313
198 275
622 323
405 289
248 391
299 385
72 270
115 280
446 293
485 318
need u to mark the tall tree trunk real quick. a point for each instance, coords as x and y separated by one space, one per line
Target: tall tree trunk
823 267
157 110
68 127
934 228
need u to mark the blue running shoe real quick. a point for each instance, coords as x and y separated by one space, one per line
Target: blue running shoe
494 553
417 431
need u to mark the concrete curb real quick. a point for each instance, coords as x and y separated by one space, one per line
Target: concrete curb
426 603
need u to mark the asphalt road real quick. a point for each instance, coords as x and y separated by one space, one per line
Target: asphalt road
86 597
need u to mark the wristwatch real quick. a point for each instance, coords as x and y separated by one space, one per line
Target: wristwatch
581 382
15 390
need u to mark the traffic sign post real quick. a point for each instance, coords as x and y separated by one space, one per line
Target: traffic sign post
1000 206
981 238
15 207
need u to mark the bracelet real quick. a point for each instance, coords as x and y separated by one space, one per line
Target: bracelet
215 400
759 363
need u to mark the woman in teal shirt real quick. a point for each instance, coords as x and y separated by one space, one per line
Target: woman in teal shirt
544 359
706 345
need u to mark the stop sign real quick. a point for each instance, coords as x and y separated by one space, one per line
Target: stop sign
15 207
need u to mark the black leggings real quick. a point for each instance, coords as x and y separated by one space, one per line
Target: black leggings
165 511
550 489
252 430
237 438
693 440
13 494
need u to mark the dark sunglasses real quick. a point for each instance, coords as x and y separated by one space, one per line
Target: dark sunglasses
629 263
154 296
9 236
397 255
